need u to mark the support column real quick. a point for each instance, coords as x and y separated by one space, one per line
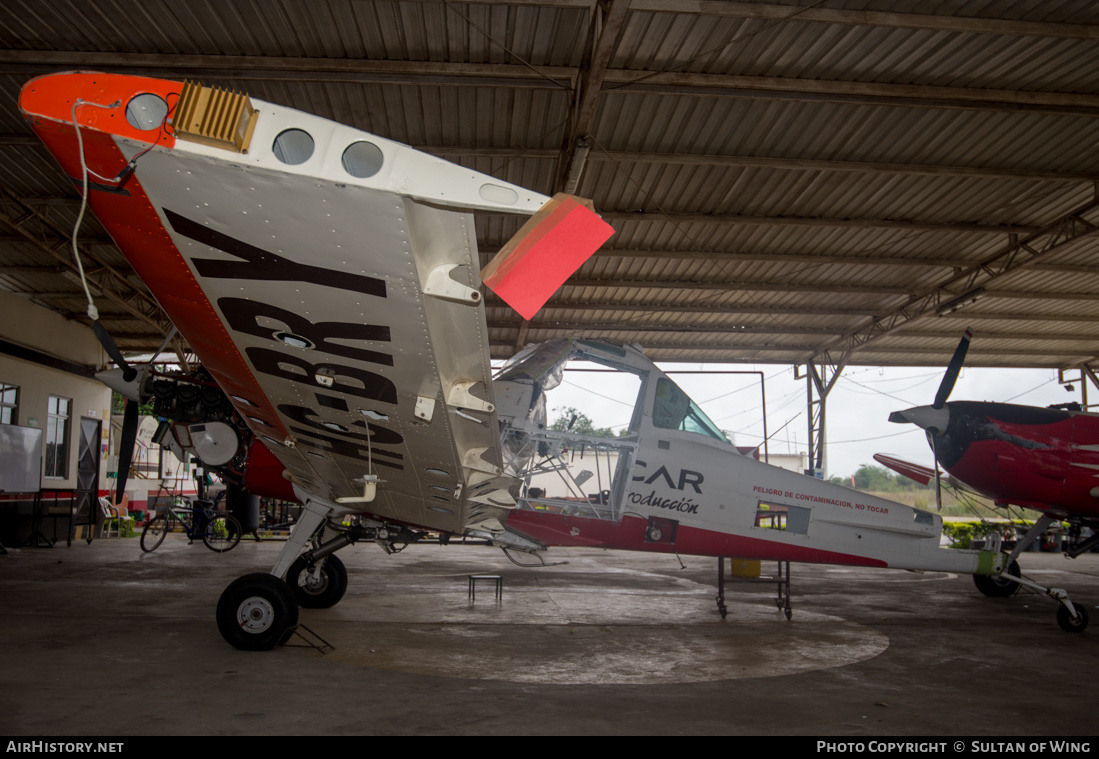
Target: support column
820 376
1087 374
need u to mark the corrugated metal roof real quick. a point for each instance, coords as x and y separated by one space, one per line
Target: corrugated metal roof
789 181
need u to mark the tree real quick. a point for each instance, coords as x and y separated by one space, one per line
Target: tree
571 420
876 478
880 480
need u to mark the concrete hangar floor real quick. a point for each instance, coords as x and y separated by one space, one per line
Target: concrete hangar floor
105 640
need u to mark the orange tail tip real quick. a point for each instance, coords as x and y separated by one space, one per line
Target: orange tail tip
137 115
552 245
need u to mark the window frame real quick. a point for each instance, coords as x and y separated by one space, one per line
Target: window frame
5 405
54 419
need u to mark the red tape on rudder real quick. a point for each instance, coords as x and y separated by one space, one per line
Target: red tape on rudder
552 245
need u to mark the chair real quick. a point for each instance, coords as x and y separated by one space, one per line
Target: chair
116 513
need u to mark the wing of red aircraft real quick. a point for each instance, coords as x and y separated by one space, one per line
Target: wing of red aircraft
920 474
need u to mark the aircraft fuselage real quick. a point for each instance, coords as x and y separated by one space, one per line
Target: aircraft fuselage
1040 458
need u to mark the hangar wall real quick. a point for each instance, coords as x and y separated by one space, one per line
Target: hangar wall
48 357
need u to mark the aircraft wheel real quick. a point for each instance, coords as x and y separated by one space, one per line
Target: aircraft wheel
317 593
256 612
999 587
1069 623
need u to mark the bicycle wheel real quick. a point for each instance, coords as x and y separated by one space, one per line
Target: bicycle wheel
154 532
222 533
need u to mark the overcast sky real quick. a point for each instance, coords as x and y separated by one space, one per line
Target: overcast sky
858 407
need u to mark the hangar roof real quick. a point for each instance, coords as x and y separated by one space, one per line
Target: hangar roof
791 180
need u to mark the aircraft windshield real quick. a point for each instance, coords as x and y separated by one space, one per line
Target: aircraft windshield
571 440
674 410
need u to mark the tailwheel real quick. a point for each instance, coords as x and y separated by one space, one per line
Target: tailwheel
1001 586
1070 623
320 590
256 612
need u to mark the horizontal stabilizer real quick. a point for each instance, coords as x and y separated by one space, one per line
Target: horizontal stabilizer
920 474
552 245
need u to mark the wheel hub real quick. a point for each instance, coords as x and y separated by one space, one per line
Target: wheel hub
255 614
313 582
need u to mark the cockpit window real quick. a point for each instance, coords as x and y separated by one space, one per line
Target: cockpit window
674 410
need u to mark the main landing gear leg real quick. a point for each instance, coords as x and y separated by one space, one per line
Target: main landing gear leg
259 611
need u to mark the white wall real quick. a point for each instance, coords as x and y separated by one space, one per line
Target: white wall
794 462
25 323
33 327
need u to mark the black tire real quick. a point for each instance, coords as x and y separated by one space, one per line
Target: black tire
1069 623
256 612
153 534
222 533
318 595
999 587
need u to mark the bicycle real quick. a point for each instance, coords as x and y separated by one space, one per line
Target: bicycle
220 532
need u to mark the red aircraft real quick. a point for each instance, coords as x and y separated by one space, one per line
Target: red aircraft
1045 459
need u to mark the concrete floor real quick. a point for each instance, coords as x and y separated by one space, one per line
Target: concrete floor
104 640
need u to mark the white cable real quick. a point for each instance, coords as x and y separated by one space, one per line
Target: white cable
93 312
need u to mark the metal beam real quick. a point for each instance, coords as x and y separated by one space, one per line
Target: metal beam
734 309
786 355
680 329
710 218
816 14
862 167
1022 316
808 221
818 259
1020 252
736 286
458 152
237 68
605 26
104 280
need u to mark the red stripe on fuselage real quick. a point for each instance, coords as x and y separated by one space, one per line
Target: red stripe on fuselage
629 534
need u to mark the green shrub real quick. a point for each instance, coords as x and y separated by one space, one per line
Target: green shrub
962 534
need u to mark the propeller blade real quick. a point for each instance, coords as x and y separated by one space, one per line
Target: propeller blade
938 481
126 447
953 369
129 374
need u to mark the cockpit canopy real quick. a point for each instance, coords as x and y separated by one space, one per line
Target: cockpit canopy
577 471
